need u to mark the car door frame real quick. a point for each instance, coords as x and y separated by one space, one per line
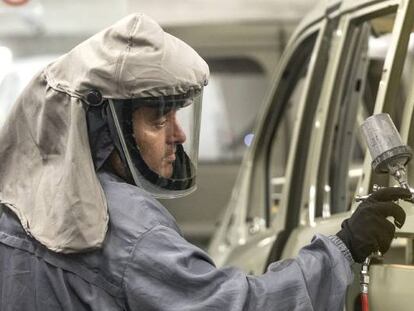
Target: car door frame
228 241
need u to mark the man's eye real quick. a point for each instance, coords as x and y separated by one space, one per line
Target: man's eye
160 123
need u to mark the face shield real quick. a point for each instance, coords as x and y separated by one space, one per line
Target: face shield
157 139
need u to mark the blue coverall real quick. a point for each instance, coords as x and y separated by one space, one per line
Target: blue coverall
146 264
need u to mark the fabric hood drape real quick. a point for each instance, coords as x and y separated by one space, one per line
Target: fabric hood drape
47 175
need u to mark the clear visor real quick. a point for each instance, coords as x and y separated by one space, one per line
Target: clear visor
159 141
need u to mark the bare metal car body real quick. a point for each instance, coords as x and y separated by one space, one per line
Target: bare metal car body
347 60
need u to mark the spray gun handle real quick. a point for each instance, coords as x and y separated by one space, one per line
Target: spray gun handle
360 198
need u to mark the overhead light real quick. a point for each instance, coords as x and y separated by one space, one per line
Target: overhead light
248 139
6 59
6 55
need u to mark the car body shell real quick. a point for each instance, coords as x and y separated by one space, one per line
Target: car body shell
358 57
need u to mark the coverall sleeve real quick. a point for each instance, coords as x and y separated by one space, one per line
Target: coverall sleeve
168 273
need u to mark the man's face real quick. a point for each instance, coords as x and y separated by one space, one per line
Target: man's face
157 136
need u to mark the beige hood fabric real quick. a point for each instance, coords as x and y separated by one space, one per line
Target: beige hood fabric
47 176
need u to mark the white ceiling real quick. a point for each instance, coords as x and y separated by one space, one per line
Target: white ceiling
88 16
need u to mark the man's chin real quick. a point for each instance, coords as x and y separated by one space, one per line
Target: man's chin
167 172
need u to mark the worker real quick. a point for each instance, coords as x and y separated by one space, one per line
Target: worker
90 145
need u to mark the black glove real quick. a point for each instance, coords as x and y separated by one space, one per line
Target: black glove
368 230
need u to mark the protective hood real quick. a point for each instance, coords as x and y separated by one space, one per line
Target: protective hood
47 174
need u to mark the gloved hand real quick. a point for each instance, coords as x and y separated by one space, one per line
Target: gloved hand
368 230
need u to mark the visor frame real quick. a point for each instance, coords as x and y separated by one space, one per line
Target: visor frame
121 112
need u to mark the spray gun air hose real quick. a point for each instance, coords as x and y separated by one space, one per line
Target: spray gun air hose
364 283
390 156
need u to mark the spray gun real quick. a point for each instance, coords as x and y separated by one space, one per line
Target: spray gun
388 152
390 156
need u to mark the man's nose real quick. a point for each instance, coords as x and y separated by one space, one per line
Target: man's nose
177 135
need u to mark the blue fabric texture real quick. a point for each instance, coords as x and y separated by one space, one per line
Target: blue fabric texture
341 245
146 264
